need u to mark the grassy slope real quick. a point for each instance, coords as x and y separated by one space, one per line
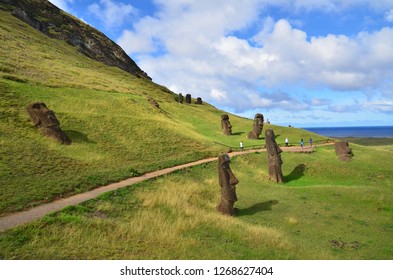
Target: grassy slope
116 133
327 210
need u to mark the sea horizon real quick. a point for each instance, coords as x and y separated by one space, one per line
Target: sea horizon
354 131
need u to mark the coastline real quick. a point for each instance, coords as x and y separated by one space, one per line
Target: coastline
354 132
368 141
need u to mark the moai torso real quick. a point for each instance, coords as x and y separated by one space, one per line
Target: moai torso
343 151
274 158
188 98
257 127
226 125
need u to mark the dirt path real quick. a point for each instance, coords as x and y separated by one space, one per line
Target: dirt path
32 214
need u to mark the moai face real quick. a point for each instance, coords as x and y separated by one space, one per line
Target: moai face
257 127
258 124
343 151
226 125
199 101
274 157
46 121
41 115
228 182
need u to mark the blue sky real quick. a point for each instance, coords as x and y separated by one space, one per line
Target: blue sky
303 62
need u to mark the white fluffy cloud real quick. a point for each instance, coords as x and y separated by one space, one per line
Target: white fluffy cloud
112 13
200 47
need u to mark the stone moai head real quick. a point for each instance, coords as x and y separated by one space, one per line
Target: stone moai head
227 181
188 98
343 151
257 127
181 98
46 121
226 125
274 158
199 101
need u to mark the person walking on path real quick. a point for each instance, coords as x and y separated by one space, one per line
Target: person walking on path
286 141
301 143
310 142
241 146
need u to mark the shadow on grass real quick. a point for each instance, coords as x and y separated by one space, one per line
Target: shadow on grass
78 137
238 133
296 173
259 207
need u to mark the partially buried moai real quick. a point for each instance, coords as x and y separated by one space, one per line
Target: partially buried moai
257 127
46 121
343 151
273 157
226 125
228 182
188 98
181 98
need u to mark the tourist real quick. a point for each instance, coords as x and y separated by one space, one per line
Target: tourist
301 143
310 142
241 145
286 142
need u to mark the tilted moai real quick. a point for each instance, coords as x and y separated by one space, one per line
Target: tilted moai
181 98
188 98
343 151
199 101
228 182
257 127
46 121
226 125
273 157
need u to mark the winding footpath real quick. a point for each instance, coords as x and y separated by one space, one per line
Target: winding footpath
19 218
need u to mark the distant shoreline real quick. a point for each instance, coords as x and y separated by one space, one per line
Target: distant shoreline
368 141
377 132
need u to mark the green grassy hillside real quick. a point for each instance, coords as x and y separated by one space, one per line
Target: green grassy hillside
327 209
116 133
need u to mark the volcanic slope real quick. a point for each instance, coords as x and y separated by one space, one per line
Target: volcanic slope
116 133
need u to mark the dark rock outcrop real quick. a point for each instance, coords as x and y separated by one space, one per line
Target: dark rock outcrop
55 23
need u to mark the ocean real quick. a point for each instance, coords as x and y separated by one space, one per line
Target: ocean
354 131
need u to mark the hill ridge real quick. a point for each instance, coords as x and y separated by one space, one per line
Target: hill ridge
55 23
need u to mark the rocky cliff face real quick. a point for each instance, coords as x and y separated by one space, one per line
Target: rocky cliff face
55 23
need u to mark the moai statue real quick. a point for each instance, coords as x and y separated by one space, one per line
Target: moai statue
343 151
46 121
153 102
181 98
228 182
226 125
257 127
199 101
188 98
273 157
